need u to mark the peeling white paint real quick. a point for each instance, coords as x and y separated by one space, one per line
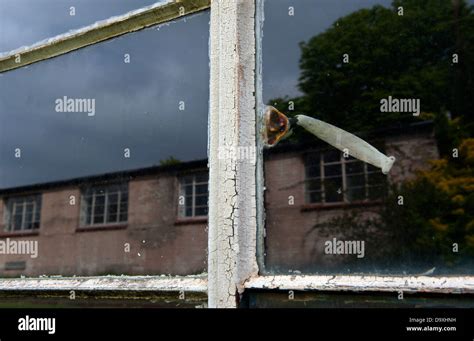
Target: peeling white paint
260 18
76 32
232 185
115 283
448 284
162 12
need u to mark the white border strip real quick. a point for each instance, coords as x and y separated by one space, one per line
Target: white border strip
448 284
108 283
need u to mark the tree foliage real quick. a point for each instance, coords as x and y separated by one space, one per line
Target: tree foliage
433 225
403 56
428 54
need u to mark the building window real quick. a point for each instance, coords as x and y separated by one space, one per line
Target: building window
333 178
102 205
23 213
193 195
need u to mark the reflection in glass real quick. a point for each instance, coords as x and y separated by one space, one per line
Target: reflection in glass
67 16
102 137
394 79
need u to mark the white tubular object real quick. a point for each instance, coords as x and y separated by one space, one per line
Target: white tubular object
346 142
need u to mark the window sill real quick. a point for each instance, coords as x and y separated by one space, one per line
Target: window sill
337 205
192 283
191 221
358 283
19 233
101 228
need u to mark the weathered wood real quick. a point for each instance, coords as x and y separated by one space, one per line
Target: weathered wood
232 185
104 283
448 284
133 21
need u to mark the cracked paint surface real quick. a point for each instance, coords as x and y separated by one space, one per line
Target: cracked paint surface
451 284
232 186
136 283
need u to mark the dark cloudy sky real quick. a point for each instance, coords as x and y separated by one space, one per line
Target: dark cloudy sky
136 103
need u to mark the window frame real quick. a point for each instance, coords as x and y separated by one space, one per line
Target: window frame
194 183
157 14
123 187
348 283
10 205
342 162
236 219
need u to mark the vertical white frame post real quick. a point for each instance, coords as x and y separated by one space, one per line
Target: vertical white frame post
232 128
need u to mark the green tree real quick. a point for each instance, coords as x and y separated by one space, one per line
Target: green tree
169 161
434 225
405 56
427 53
438 212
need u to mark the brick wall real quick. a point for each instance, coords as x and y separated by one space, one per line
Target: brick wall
292 241
162 244
157 244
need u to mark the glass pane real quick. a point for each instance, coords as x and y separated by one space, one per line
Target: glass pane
103 134
333 189
87 210
201 211
17 220
200 189
188 190
187 180
123 215
18 207
355 181
332 156
29 204
112 199
98 219
313 171
389 72
202 178
313 159
189 201
201 200
99 209
332 170
28 220
112 207
354 168
67 16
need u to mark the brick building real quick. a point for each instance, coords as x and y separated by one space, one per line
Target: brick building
118 223
153 220
298 196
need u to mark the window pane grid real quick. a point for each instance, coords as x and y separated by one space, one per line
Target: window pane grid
105 205
346 180
194 191
23 213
